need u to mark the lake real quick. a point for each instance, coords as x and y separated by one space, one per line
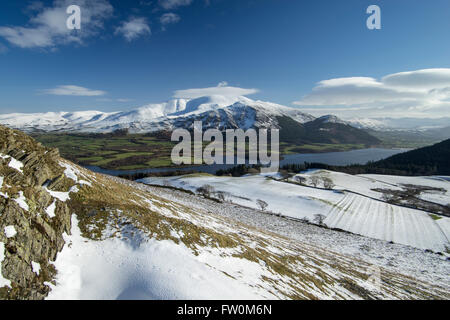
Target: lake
360 156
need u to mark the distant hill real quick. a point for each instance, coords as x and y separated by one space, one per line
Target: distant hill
327 129
434 159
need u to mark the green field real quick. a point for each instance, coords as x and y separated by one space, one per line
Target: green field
288 148
404 139
138 151
122 152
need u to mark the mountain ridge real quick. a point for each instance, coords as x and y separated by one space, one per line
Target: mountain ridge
216 112
152 117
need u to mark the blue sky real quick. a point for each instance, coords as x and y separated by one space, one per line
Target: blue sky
131 53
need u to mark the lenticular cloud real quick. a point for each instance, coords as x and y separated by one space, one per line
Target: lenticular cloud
412 92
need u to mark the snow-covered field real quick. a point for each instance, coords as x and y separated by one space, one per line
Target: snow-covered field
348 211
355 183
365 183
380 220
398 258
433 182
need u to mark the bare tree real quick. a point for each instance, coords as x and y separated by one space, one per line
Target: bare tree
328 183
315 181
221 196
205 190
262 204
319 218
300 179
386 197
304 220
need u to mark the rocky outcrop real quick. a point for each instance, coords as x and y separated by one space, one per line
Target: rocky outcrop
31 233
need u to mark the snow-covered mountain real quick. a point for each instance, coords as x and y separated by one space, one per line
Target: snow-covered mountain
407 124
331 119
215 111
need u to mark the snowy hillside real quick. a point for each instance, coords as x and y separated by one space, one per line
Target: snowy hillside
359 211
331 119
434 189
215 111
68 233
164 259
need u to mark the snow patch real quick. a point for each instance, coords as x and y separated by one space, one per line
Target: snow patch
4 195
84 182
51 210
21 201
3 282
10 231
13 163
36 267
70 171
62 196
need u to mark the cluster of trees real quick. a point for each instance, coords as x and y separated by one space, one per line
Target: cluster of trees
384 167
142 175
316 181
239 170
113 134
209 192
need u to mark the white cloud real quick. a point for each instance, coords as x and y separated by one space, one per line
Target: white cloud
48 27
425 79
71 90
124 100
169 18
173 4
414 93
222 90
134 28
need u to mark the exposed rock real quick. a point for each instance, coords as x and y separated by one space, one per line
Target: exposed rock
39 237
